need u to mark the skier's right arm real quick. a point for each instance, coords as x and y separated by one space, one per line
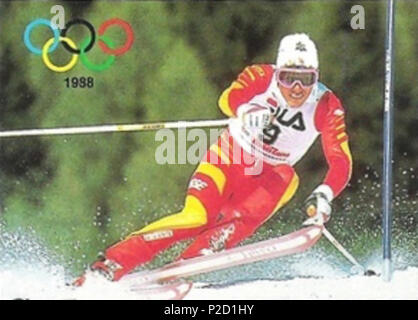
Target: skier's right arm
253 81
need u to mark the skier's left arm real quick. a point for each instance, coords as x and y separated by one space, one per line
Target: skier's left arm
330 122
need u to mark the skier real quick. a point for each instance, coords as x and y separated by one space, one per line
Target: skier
277 113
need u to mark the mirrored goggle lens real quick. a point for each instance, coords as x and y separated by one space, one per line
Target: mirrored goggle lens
306 78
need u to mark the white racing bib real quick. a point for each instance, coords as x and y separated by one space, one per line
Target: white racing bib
292 131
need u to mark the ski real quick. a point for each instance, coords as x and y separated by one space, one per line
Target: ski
295 242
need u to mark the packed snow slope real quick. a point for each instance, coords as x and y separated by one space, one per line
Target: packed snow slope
29 271
315 274
16 285
403 286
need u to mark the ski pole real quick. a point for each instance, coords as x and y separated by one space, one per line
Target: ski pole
114 128
345 253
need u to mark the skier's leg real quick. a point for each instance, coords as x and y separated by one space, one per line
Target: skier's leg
243 216
143 245
207 192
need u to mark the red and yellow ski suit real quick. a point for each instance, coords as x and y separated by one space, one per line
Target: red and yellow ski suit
224 204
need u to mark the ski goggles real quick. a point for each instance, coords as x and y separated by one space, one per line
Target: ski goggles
288 77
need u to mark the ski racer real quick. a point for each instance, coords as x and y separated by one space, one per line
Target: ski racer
277 113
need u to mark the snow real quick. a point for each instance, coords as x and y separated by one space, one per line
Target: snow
42 285
28 271
404 285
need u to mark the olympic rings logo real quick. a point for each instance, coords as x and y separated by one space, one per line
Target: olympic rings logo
105 43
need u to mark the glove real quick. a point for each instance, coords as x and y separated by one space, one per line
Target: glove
318 206
254 116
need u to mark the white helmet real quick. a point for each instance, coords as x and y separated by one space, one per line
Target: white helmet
297 50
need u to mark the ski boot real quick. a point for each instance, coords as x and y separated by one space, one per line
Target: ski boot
105 269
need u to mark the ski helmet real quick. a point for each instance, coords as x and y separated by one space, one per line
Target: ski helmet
297 50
